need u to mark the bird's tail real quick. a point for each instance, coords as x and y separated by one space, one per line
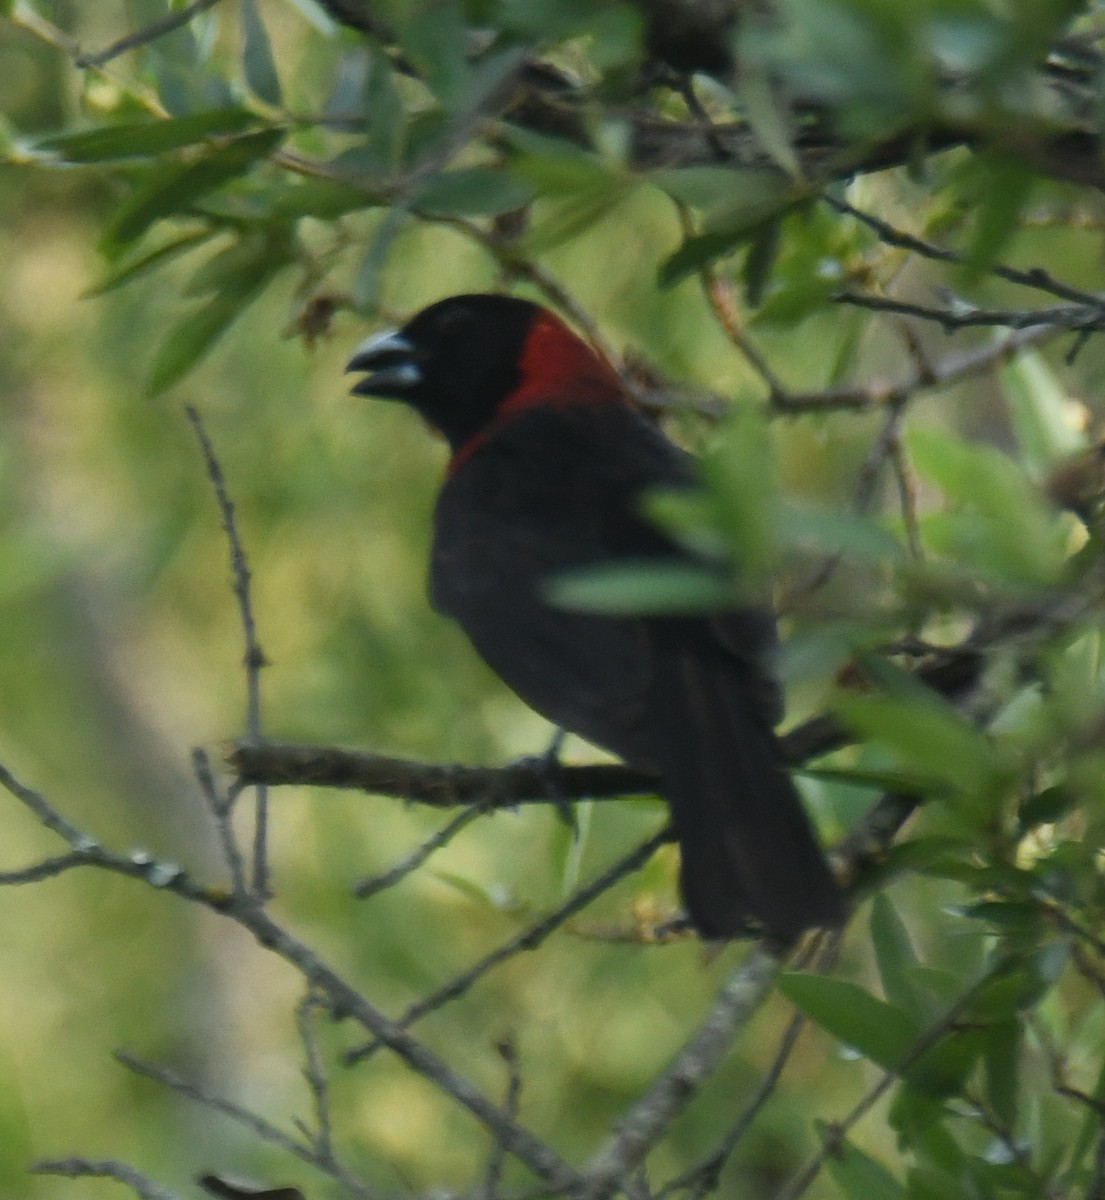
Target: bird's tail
748 849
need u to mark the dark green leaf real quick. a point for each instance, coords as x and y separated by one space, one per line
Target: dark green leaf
876 1029
894 955
1008 182
258 65
366 287
759 260
125 272
858 1175
175 189
191 339
471 192
240 265
144 139
435 37
929 737
320 198
1002 1057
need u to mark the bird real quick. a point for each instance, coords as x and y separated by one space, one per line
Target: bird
549 460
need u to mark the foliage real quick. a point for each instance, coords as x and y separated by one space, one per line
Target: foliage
847 249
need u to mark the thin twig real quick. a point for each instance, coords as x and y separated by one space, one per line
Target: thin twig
343 997
314 1071
442 837
142 37
88 1168
265 1130
529 939
508 1052
961 315
640 1128
254 659
1036 277
221 811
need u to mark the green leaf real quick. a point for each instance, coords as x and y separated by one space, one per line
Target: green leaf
877 1030
247 262
1001 1055
689 516
1046 420
1000 523
258 64
320 198
894 956
1008 183
738 471
175 189
768 115
191 339
856 1174
639 588
366 286
831 532
762 253
435 37
125 272
932 740
471 192
144 139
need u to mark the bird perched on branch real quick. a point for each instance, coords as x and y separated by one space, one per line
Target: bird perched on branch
550 459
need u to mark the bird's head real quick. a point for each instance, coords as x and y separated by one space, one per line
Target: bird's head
466 360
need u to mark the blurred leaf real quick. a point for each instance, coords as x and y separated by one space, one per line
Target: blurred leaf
1008 184
769 116
436 38
751 202
245 263
323 199
828 532
642 587
313 12
471 192
125 272
877 1030
236 276
1045 807
738 471
1046 420
930 737
189 340
144 139
1004 527
856 1174
758 262
258 64
689 516
894 956
366 286
176 188
1002 1057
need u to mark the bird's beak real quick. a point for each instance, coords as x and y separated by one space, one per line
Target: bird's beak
388 359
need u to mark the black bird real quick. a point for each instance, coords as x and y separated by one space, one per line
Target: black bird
550 460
